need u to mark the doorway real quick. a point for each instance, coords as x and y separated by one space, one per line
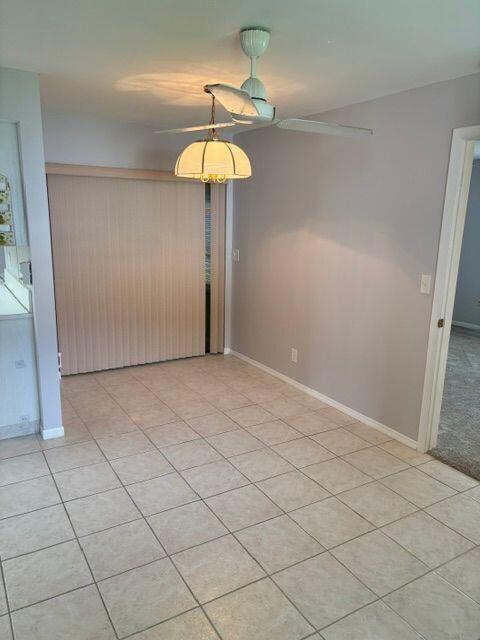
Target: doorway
450 419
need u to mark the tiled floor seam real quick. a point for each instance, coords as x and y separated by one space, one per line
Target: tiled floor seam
84 556
254 560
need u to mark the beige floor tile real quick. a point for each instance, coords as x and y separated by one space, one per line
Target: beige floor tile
212 424
122 548
323 590
172 433
261 464
338 417
292 490
377 504
145 596
3 599
243 507
436 609
105 426
190 454
126 444
158 494
373 622
447 475
79 615
234 443
186 526
340 441
250 416
192 625
45 574
193 409
228 400
213 478
35 530
330 522
461 513
22 497
217 567
20 468
336 475
311 422
259 611
101 511
261 394
375 462
12 447
303 452
430 541
5 628
74 455
274 432
284 407
379 562
84 481
96 407
152 416
474 493
407 454
307 401
141 466
374 436
463 573
417 487
278 543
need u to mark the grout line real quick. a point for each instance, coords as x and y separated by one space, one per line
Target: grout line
250 483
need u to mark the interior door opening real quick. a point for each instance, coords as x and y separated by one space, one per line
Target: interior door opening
458 441
450 416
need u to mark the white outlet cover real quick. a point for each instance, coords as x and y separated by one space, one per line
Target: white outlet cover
425 283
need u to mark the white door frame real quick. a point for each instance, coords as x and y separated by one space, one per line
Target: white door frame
453 223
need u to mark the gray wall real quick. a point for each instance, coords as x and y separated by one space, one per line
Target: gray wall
334 235
81 139
467 297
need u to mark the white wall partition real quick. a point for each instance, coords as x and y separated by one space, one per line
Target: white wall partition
20 104
129 269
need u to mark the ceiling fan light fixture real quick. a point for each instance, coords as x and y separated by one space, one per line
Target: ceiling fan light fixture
213 160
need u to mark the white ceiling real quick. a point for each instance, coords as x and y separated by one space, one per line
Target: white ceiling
145 61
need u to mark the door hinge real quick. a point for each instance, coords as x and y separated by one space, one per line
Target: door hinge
441 323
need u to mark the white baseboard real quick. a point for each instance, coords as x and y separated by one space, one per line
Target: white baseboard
409 442
466 325
48 434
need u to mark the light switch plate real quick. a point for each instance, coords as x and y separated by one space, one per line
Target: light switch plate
236 255
425 283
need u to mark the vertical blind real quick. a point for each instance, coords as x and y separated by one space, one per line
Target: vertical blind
129 270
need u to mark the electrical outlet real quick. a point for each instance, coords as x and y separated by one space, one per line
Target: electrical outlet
25 418
294 355
236 255
425 283
20 364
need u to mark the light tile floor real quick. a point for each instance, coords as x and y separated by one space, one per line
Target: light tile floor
205 499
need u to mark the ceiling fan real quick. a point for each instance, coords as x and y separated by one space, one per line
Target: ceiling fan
249 104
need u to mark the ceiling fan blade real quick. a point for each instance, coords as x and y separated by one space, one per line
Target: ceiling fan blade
237 101
313 126
201 127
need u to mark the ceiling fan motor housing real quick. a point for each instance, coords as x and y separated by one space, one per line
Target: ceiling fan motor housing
254 41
